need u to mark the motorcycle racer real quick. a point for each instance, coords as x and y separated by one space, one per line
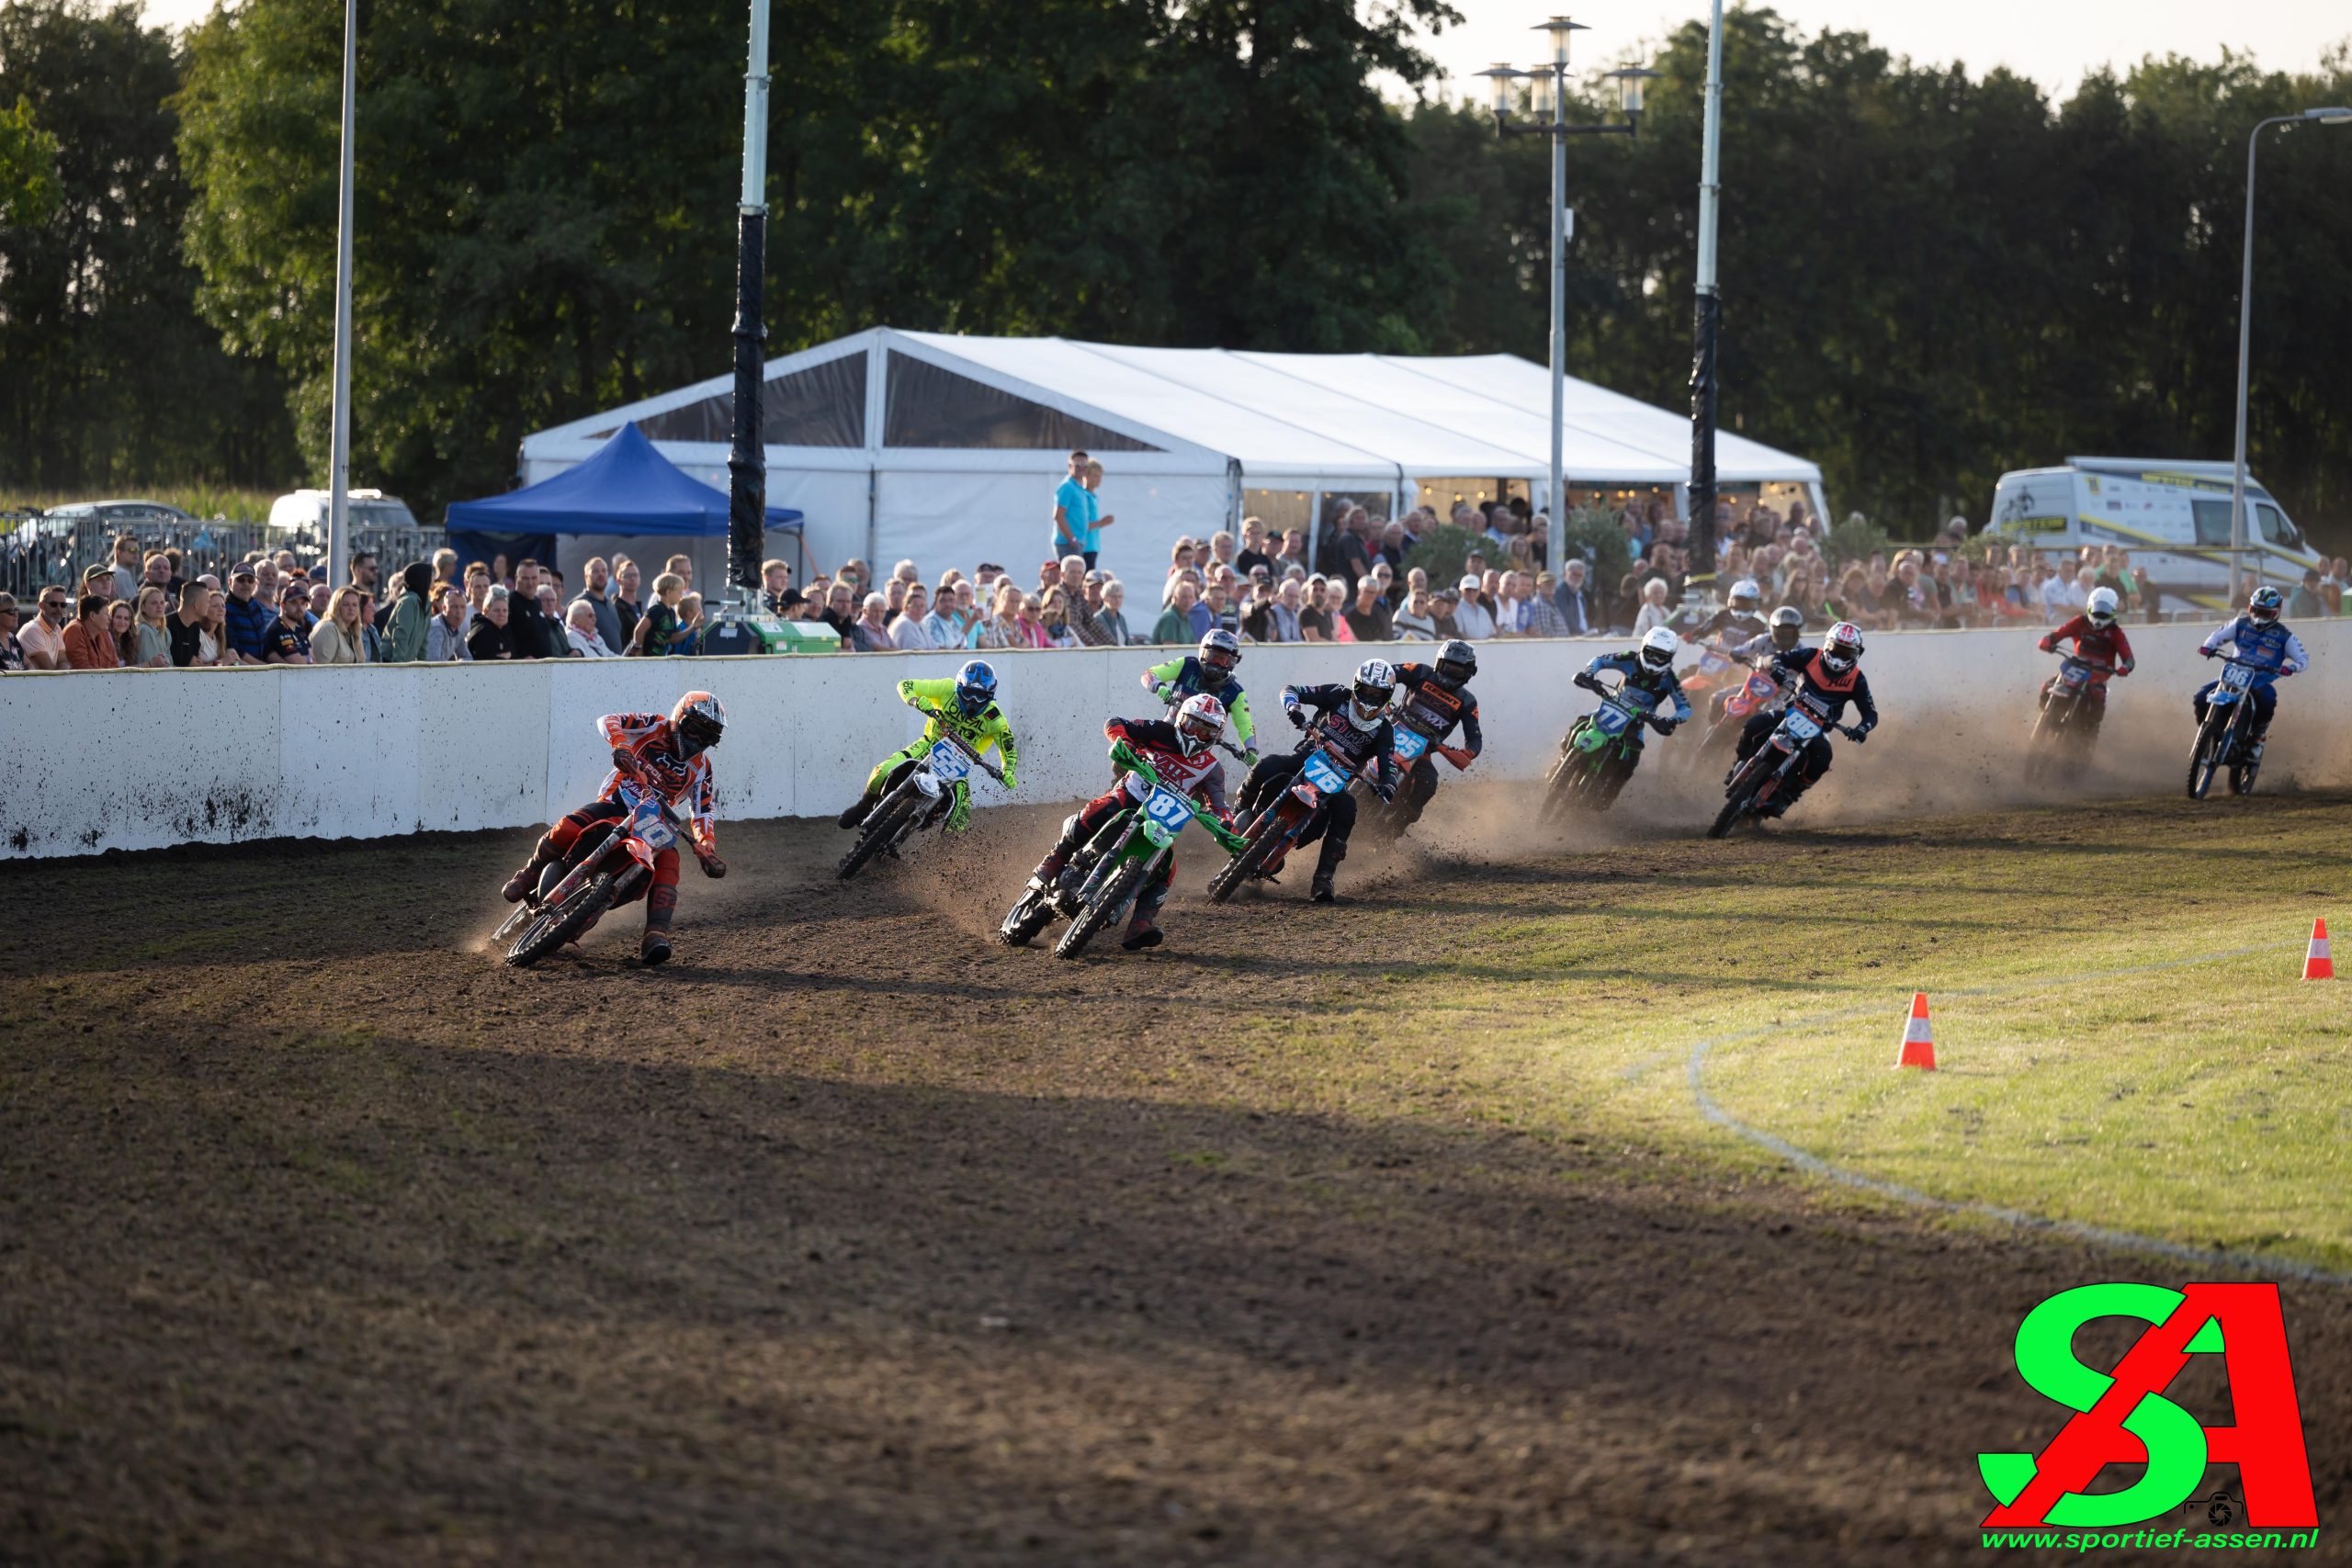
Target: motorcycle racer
1435 699
1741 618
965 708
1209 670
667 756
1352 721
1649 671
1826 678
2098 642
2259 639
1184 753
1785 631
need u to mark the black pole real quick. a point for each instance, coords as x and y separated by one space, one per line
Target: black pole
747 457
1703 437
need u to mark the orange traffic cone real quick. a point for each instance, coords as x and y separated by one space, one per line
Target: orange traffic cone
2317 965
1918 1043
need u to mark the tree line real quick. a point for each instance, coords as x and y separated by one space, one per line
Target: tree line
1929 278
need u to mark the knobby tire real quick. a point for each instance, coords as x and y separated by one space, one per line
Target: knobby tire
560 924
880 830
1109 902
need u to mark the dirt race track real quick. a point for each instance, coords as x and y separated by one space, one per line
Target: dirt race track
853 1237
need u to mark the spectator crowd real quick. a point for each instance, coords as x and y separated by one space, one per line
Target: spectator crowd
140 610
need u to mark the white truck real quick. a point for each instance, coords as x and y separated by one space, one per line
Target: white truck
370 509
2173 516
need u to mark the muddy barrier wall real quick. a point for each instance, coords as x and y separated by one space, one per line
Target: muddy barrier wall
142 759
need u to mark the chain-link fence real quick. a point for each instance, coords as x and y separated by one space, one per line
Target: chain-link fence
36 551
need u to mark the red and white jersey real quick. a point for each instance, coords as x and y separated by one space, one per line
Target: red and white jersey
684 783
1200 775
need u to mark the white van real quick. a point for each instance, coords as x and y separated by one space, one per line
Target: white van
2173 517
370 509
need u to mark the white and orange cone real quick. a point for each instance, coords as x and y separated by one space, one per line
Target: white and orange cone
1918 1042
2317 965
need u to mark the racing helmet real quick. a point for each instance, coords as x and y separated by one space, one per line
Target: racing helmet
1660 648
1220 651
2100 609
1375 683
2264 607
1200 723
1788 628
975 688
699 722
1842 647
1745 596
1455 663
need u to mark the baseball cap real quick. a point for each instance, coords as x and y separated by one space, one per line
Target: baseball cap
246 571
1467 583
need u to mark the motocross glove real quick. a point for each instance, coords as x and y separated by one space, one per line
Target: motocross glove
625 759
712 866
2210 652
1297 716
1250 757
1165 691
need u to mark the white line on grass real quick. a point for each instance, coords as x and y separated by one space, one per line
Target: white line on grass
2244 1262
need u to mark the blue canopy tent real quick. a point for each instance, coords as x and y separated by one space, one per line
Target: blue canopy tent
627 499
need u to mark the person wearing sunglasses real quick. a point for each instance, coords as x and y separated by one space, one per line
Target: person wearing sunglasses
44 636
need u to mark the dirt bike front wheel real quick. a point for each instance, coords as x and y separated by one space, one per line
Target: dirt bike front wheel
2207 756
880 831
562 923
1742 793
1108 903
1264 834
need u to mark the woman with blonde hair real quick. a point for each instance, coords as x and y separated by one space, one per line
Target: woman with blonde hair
338 638
150 645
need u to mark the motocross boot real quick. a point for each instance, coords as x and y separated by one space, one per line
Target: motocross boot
859 809
660 910
1319 891
2253 745
522 882
1142 931
1058 856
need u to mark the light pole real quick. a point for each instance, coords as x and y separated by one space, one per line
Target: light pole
747 455
339 416
2245 332
1554 75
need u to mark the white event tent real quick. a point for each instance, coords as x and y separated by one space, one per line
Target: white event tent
946 449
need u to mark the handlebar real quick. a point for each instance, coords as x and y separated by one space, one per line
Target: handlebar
1122 753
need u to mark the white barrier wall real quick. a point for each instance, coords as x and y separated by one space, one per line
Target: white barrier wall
139 758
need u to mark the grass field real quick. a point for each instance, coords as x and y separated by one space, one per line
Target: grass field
1384 1232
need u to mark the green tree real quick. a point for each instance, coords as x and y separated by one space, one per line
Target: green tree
107 374
28 169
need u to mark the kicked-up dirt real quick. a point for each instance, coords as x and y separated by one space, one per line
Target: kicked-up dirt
853 1237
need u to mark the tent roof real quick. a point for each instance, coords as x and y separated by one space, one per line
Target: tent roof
1281 416
626 488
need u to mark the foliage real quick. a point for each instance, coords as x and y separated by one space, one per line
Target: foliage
1855 539
28 193
236 503
1594 533
1441 551
111 376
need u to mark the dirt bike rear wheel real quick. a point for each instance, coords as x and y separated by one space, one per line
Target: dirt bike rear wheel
880 831
1108 903
1264 834
566 920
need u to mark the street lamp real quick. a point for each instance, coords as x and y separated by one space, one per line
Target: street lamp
1552 79
2245 328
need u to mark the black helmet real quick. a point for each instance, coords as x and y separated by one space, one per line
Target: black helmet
1456 662
1788 628
699 722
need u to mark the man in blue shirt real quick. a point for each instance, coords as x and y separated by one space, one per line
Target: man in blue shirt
247 619
1075 509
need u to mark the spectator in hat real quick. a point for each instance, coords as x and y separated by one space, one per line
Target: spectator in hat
1471 619
444 638
287 640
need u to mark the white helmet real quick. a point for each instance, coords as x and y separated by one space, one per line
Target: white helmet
1746 595
1375 683
1660 648
2102 607
1842 648
1199 722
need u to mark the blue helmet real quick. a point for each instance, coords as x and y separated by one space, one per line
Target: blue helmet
2264 606
975 688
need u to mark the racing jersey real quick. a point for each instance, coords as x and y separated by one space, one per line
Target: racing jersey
1644 680
1188 677
936 700
1736 627
1427 707
1202 776
1825 692
1332 726
2099 645
2271 650
683 783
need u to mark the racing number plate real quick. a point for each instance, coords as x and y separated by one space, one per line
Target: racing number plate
948 764
1164 815
1800 726
2074 674
2237 677
1322 774
652 829
1410 744
1610 719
